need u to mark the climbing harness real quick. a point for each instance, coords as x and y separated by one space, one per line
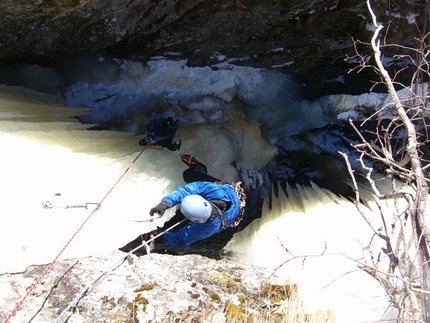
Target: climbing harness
49 205
144 244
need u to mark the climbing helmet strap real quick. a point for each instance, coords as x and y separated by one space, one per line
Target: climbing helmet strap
218 213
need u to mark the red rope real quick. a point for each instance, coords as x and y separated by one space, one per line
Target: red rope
19 304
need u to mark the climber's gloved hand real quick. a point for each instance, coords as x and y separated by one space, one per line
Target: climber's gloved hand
160 208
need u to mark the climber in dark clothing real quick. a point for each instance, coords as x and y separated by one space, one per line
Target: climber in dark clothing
161 132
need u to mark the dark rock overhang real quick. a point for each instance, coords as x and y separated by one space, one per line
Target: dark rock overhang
309 39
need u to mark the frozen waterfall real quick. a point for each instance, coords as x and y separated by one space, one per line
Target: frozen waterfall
229 116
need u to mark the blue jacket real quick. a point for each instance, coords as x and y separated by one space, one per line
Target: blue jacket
193 232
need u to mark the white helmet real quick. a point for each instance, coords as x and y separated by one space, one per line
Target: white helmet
196 208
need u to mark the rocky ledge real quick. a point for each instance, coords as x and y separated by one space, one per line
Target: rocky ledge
122 287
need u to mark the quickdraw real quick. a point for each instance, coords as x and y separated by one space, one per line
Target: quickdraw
49 205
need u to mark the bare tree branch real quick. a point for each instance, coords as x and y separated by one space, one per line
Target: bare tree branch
395 149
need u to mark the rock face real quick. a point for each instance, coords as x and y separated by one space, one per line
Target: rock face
150 288
308 39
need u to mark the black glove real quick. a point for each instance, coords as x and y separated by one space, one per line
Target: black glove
160 208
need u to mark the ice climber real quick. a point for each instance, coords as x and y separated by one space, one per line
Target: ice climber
209 204
161 132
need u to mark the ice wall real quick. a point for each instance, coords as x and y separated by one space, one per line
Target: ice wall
313 237
49 156
120 89
47 151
